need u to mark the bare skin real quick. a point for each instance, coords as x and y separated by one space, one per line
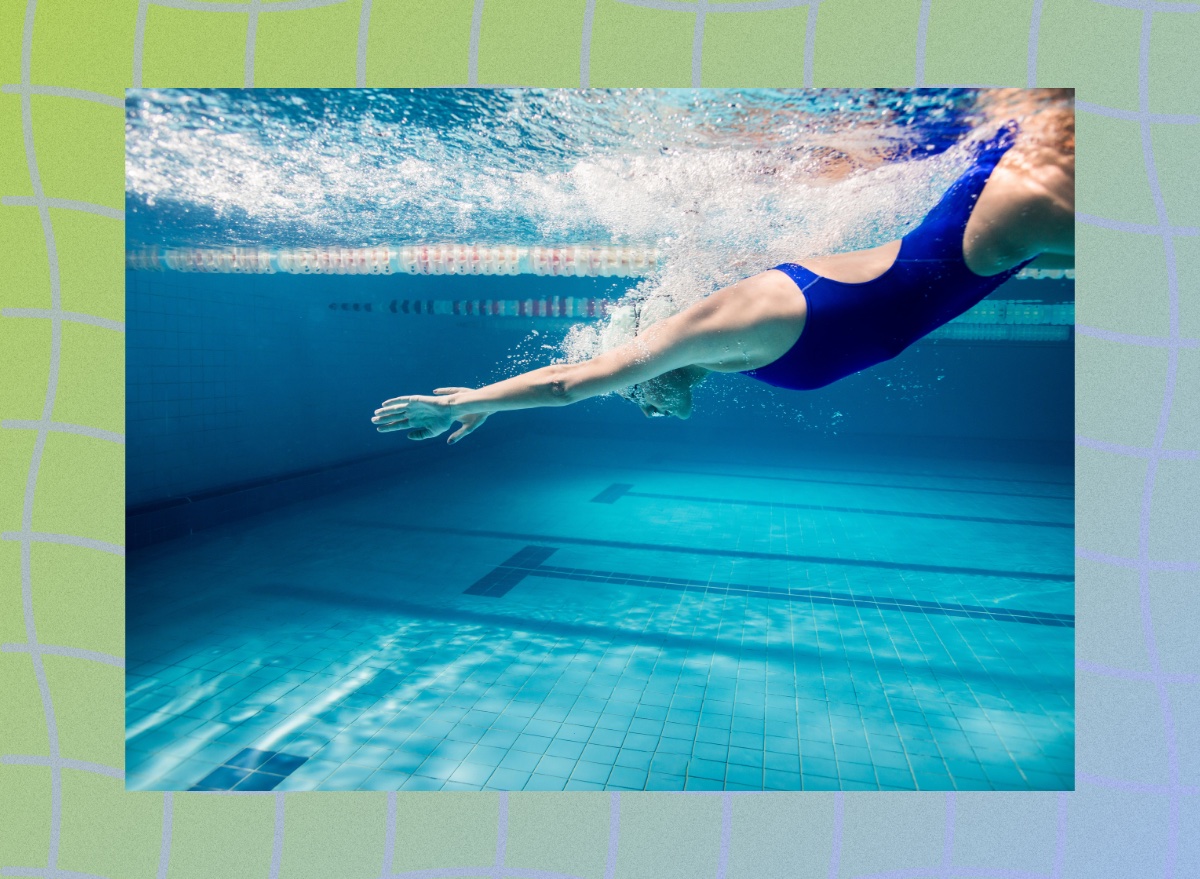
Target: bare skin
1027 208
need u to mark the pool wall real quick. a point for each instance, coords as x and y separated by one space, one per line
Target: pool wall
239 383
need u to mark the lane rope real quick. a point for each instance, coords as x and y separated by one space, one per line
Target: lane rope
578 261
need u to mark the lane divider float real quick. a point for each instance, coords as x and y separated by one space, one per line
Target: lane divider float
578 261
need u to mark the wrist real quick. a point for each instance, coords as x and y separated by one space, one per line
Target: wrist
455 405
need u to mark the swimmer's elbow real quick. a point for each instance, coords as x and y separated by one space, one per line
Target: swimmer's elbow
561 389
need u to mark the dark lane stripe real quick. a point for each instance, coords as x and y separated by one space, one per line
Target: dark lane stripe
720 553
1052 497
511 573
823 508
612 494
500 581
815 596
914 474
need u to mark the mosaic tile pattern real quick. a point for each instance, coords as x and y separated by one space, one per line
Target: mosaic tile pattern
543 674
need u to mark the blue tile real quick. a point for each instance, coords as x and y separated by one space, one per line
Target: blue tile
422 783
223 778
712 736
634 759
669 764
600 754
559 767
609 737
403 761
533 744
580 784
571 732
523 761
546 728
709 751
746 757
509 721
639 742
508 779
594 772
706 769
646 726
613 721
896 778
347 777
628 777
781 762
818 766
249 758
487 756
749 740
544 782
752 776
452 750
856 772
473 774
697 783
657 781
819 782
848 754
436 767
565 748
258 781
651 712
774 779
498 738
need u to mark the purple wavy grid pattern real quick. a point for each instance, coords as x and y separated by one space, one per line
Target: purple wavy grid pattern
1173 791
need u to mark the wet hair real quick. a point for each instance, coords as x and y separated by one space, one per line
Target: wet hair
636 394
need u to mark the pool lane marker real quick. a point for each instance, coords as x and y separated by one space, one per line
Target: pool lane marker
251 769
555 260
619 490
796 558
529 562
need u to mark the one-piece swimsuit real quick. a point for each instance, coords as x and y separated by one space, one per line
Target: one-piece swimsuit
850 327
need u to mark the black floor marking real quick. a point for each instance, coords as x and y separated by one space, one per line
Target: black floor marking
914 474
497 583
721 553
722 475
824 508
612 494
513 571
250 769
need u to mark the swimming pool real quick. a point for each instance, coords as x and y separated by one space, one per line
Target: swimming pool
865 587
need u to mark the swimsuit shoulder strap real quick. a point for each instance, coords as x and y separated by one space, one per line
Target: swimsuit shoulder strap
939 236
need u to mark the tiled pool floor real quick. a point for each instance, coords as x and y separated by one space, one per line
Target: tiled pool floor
884 623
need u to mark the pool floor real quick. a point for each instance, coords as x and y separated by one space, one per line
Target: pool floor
545 616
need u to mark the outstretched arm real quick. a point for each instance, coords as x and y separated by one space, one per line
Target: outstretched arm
681 340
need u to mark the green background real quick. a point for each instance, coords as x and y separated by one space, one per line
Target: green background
63 67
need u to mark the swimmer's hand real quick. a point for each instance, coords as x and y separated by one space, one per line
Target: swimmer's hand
425 417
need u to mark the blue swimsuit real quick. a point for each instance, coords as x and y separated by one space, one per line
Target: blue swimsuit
850 327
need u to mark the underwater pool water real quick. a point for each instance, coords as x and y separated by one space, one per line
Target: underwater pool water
865 587
635 618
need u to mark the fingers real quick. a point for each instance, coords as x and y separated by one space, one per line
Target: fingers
384 418
391 411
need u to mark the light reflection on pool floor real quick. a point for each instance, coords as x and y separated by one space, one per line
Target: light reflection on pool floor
677 624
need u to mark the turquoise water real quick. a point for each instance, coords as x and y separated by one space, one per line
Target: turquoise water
660 621
869 586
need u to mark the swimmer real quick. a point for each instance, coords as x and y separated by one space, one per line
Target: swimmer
805 325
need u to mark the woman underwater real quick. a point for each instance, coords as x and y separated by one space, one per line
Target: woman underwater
804 325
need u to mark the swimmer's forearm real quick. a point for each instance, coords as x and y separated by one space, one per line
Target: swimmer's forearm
530 390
